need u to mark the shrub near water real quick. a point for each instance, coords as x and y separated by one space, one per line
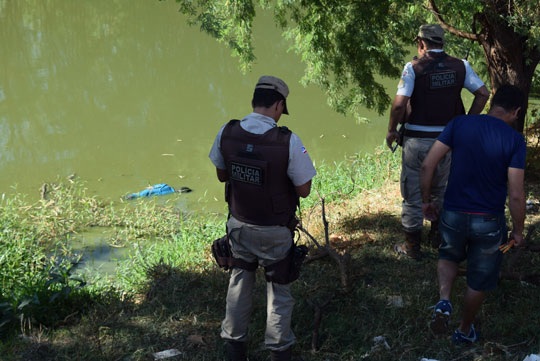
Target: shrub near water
30 281
360 172
36 263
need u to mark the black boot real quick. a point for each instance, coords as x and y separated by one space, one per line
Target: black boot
281 355
411 246
236 351
434 236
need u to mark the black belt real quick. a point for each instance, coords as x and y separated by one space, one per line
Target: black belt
419 134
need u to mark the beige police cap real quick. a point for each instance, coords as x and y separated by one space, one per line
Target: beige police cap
432 32
271 82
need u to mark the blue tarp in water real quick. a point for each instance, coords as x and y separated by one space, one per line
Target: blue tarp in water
155 190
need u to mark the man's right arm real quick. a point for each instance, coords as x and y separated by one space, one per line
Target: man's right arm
481 96
304 190
397 113
399 105
300 169
516 203
476 86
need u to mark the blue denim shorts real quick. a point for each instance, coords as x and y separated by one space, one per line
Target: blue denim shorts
476 238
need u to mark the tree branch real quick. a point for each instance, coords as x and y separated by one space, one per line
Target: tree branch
310 236
318 308
341 260
462 34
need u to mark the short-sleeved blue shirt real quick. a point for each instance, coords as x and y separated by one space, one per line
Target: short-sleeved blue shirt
483 148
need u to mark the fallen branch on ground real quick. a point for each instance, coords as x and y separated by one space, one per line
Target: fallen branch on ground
317 322
341 259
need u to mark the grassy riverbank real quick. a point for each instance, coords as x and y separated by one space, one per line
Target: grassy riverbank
169 294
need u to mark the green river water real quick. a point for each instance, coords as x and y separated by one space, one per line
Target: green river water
124 94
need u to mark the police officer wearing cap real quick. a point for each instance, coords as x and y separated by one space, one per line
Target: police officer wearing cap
428 97
266 169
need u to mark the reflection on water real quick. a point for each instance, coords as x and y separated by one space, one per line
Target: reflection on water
98 250
125 95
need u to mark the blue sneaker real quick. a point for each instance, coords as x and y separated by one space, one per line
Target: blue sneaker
460 338
439 319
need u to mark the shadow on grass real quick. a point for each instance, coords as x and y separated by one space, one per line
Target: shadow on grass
380 226
183 310
390 298
177 309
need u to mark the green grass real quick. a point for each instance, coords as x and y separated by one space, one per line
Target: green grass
169 294
360 172
36 260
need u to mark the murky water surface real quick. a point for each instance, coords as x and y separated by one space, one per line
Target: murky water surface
98 249
125 95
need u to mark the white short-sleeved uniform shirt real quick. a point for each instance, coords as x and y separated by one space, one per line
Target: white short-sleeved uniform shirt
300 169
406 83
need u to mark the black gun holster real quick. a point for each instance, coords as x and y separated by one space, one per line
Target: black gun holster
221 249
288 269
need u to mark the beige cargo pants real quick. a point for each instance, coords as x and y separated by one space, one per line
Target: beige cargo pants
413 153
267 245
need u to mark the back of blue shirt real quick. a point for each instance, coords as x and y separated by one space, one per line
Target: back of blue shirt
483 148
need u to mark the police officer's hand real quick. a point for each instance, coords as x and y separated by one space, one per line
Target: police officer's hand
517 237
391 137
430 211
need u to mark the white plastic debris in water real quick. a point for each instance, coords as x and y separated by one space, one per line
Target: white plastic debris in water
380 340
166 354
532 357
428 359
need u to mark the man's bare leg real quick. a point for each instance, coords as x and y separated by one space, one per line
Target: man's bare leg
472 302
446 274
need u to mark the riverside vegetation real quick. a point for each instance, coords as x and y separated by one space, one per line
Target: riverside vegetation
169 293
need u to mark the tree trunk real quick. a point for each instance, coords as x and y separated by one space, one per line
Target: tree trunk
507 58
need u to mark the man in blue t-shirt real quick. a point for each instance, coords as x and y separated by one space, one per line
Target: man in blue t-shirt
488 161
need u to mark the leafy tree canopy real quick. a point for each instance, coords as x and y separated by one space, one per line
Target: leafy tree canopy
348 45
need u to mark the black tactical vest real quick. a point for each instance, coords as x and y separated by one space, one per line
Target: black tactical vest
436 98
259 190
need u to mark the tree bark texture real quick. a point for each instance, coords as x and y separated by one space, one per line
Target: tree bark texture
508 59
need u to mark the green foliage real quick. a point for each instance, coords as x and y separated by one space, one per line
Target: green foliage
344 47
46 297
535 86
186 248
228 21
523 16
32 281
532 136
37 284
347 46
358 173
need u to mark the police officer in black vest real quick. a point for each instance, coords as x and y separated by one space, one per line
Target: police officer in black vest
430 89
266 169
